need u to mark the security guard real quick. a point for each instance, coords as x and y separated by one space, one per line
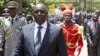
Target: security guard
11 26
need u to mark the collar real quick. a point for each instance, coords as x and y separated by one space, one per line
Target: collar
71 23
44 25
15 18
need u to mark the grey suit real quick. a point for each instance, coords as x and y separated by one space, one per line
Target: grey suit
52 44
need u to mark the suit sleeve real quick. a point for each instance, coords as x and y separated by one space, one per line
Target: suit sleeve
88 35
62 45
19 46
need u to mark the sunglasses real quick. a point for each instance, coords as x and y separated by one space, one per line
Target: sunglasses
11 8
40 11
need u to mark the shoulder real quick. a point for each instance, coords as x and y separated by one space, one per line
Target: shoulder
28 26
57 30
2 18
20 18
89 23
6 22
55 27
59 24
76 26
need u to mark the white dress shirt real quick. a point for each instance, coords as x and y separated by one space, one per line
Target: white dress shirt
13 18
43 30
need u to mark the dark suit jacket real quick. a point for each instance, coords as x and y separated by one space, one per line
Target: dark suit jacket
92 31
94 35
52 44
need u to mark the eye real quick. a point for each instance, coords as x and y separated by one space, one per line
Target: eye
67 15
40 11
12 8
36 12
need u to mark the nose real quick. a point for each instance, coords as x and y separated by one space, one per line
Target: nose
39 12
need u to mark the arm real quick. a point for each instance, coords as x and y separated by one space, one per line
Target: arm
88 36
19 46
80 44
62 45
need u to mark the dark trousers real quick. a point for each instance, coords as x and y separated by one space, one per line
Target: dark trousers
92 51
2 53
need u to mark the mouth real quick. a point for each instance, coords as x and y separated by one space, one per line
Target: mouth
39 16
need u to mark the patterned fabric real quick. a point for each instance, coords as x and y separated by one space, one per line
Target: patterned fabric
73 38
11 34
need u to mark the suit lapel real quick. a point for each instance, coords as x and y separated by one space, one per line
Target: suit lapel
31 29
98 26
46 38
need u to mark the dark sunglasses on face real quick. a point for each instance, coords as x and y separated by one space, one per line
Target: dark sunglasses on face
40 11
11 8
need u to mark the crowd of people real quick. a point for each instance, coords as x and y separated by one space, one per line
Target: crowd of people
41 34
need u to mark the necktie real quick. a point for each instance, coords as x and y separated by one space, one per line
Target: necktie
38 40
96 27
12 21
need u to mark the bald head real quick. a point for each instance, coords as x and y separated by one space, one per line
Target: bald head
40 13
40 6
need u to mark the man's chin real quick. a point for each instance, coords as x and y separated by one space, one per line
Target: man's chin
39 22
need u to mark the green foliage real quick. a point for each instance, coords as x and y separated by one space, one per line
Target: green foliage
96 5
51 3
92 7
75 4
25 4
1 6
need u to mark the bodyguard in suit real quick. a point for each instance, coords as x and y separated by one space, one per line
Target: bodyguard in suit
11 28
41 38
93 34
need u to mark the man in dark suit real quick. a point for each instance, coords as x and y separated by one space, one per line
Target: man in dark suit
49 41
92 35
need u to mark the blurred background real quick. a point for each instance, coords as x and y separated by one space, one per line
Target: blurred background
83 5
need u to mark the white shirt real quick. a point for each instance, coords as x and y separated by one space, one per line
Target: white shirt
43 30
13 18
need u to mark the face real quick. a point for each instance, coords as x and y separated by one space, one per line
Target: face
29 18
40 13
12 11
95 18
67 18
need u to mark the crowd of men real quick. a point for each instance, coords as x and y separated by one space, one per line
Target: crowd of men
41 34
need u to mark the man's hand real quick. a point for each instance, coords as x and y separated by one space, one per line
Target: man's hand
1 49
91 45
